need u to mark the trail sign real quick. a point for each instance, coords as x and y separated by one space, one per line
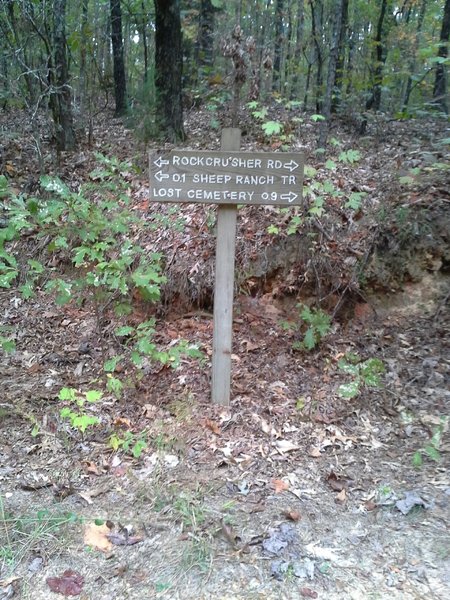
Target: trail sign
227 177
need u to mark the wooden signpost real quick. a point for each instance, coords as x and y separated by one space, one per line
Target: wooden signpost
226 178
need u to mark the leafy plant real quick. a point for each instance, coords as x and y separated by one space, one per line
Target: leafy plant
355 200
314 325
75 412
432 449
130 443
95 234
350 156
364 373
139 343
272 128
7 344
94 230
273 229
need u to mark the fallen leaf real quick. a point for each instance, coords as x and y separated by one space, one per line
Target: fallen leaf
250 346
119 471
278 539
285 446
322 553
314 452
70 583
123 539
212 425
279 485
229 533
411 500
9 580
149 411
171 460
91 467
308 593
342 496
96 536
292 515
94 492
336 483
122 422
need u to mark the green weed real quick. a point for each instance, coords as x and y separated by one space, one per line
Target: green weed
432 449
363 373
75 411
129 442
314 325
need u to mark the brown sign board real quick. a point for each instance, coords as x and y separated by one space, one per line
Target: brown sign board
227 177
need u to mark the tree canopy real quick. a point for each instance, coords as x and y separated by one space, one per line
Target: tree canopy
345 56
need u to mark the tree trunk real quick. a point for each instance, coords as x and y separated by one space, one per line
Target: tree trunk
169 68
374 102
298 48
289 52
440 82
60 96
316 29
412 66
331 77
308 80
343 37
278 48
144 40
204 45
83 65
263 60
20 50
5 78
120 85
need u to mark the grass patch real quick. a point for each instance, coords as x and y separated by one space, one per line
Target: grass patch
21 536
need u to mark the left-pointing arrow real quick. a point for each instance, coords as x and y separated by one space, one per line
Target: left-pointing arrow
160 176
159 162
289 197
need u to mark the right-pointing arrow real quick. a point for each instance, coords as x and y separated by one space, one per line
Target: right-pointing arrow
292 165
289 197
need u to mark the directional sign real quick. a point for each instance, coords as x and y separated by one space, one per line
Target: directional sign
227 177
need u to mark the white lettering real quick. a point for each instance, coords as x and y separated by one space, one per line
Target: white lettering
255 180
274 164
166 192
219 178
222 162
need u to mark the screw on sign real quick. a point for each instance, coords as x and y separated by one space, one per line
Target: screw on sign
227 178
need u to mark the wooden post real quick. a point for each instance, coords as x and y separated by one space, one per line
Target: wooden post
224 287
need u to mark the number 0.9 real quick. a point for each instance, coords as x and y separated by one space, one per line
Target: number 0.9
273 196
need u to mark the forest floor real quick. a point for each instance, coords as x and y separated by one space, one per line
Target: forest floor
291 491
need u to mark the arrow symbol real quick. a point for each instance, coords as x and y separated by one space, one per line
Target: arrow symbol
292 165
159 162
289 197
160 176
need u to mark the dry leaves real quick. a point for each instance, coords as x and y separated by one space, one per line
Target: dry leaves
279 485
292 515
70 583
212 425
96 536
